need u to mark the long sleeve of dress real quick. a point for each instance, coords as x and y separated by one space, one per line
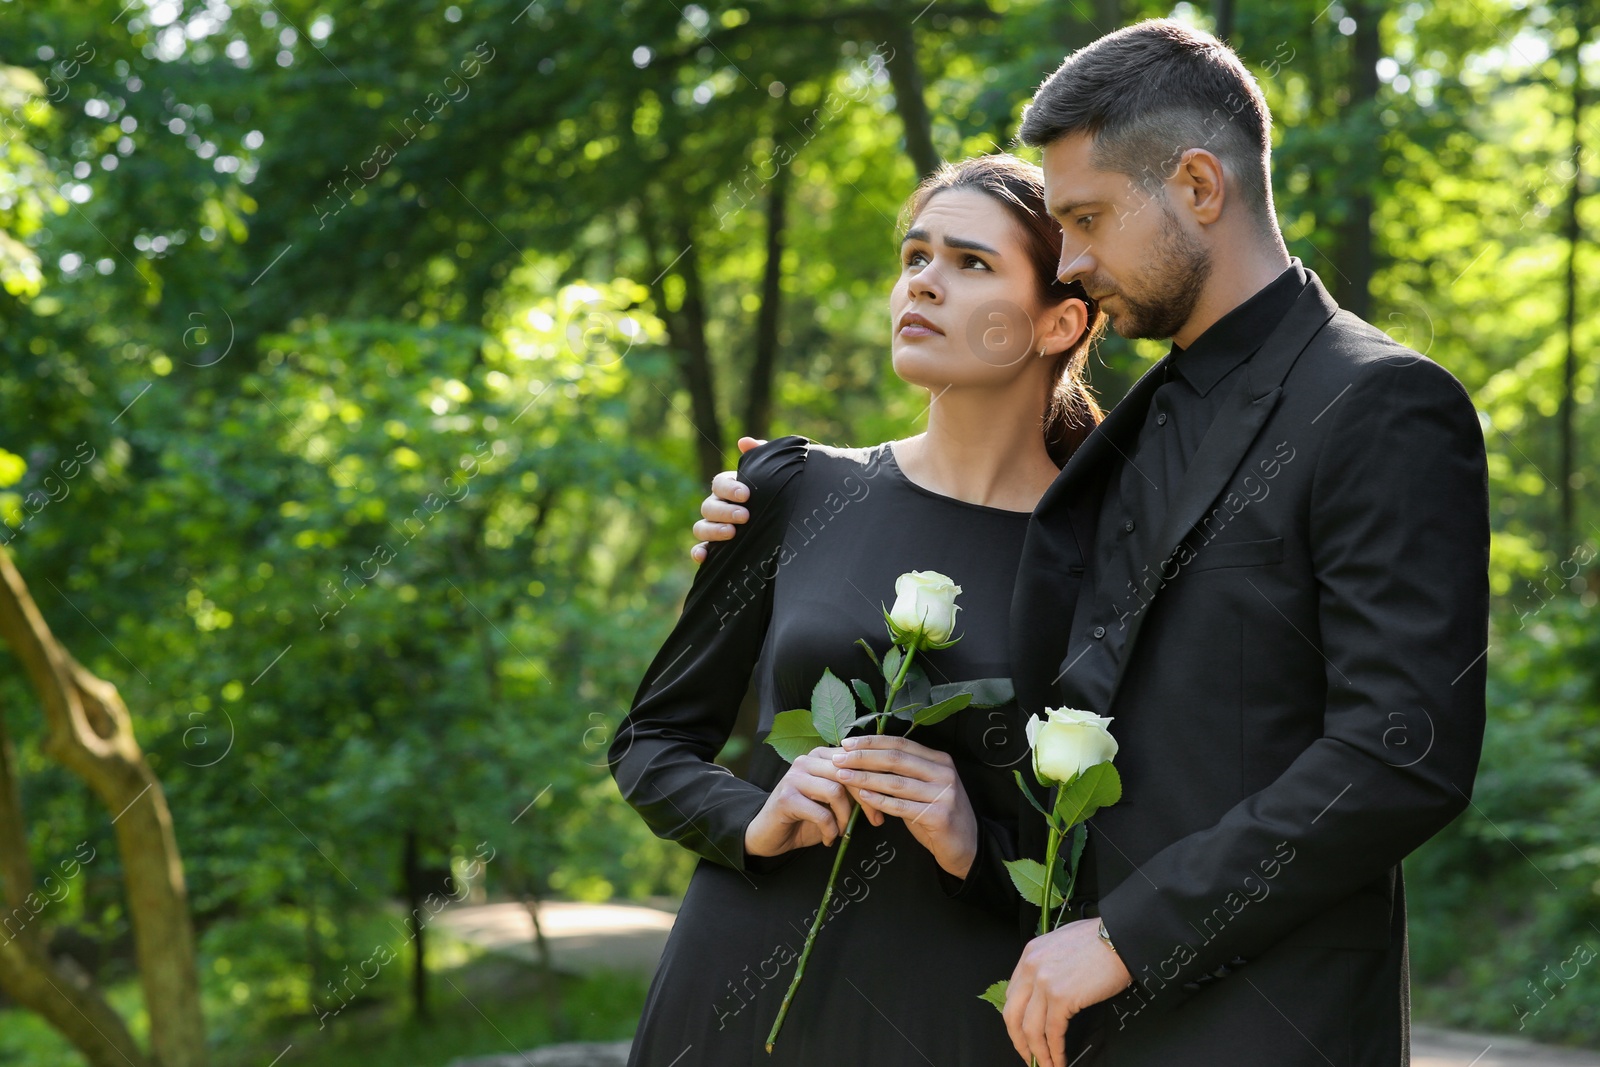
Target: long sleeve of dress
685 708
988 884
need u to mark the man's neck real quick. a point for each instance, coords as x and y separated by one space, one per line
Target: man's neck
1234 279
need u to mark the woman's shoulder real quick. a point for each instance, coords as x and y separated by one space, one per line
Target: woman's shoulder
771 466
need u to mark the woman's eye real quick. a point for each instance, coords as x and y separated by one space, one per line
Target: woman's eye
1084 221
974 261
914 259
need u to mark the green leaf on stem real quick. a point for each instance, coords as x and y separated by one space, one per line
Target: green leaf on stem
832 708
1028 876
864 691
917 685
914 692
873 656
1098 787
891 663
944 709
793 735
986 692
1038 807
996 994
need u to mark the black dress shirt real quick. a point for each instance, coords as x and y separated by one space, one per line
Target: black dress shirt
1195 380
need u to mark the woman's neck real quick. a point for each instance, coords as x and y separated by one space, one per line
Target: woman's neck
983 447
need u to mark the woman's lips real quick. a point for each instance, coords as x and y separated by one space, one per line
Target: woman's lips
915 325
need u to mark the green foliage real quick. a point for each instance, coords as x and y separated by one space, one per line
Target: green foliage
348 420
1516 879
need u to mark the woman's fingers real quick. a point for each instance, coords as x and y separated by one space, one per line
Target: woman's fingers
892 785
829 793
887 754
797 807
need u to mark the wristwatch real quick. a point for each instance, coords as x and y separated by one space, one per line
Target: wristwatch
1106 937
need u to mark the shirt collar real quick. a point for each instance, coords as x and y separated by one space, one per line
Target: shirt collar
1235 337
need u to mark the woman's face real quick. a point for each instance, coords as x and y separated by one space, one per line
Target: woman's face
965 309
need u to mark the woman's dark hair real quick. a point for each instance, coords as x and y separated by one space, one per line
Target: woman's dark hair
1019 188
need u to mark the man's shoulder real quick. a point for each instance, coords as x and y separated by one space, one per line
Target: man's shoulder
1364 356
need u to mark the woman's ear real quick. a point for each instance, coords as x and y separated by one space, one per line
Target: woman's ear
1063 325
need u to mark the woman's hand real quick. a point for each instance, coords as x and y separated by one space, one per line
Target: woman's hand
893 775
806 807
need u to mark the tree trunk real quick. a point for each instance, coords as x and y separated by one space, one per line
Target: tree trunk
905 75
695 359
1574 234
411 868
758 412
686 335
1224 11
88 731
1353 237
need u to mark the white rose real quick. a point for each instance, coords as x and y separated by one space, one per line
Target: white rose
924 609
1069 742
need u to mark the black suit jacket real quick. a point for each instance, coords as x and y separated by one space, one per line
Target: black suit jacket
1300 704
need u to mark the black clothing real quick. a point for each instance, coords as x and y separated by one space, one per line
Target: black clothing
1296 680
896 971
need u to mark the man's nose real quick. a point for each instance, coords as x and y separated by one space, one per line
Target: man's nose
1074 263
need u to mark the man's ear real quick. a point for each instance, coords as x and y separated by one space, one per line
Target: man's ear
1201 186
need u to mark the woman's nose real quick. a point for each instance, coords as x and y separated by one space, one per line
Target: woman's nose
926 283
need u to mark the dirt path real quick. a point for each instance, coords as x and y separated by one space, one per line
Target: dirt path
585 937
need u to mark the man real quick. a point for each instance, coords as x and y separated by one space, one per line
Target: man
1269 567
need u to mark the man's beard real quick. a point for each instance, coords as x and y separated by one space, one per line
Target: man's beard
1169 289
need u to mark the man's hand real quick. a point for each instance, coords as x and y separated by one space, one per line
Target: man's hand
1059 974
720 510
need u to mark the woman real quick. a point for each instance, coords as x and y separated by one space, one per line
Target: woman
925 916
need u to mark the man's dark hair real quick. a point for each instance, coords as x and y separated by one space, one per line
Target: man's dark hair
1148 92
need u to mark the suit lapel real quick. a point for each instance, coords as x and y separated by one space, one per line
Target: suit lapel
1059 539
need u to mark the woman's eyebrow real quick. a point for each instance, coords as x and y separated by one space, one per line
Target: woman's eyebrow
965 243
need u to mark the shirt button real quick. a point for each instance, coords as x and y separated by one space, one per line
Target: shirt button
1099 632
1128 526
1161 419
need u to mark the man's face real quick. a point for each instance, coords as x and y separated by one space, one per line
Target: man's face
1124 242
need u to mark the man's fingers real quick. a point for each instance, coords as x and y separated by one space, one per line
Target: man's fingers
1055 1027
713 531
1018 993
747 443
728 486
714 510
1033 1021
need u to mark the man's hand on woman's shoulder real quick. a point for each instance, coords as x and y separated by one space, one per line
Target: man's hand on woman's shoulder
721 509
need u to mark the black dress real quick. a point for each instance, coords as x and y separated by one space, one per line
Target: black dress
898 965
